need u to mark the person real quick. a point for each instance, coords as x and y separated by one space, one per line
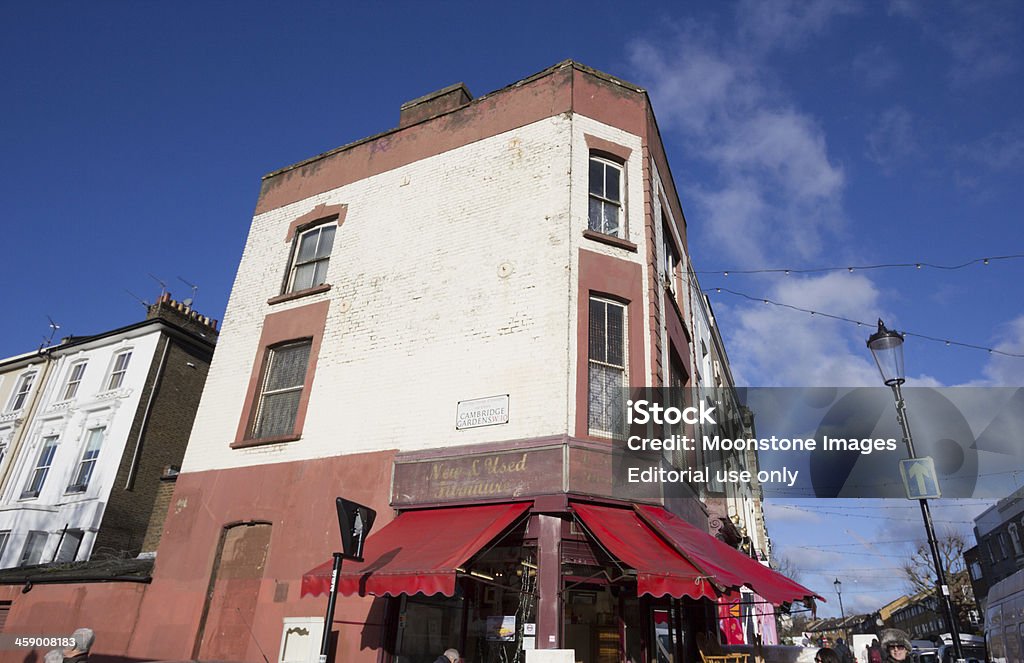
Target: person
827 655
874 651
449 656
895 645
845 655
79 653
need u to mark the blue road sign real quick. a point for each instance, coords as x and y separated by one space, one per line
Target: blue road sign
919 478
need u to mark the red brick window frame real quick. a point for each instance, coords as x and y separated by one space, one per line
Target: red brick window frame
279 329
610 158
320 215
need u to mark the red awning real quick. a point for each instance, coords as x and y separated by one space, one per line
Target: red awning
659 569
726 565
417 552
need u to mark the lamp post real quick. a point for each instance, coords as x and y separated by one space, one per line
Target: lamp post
887 348
842 615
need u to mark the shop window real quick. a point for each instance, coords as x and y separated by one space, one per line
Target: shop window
74 380
283 380
487 618
606 368
606 186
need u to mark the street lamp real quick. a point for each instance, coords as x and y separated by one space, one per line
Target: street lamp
842 615
887 348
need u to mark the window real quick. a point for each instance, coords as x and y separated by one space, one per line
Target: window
5 536
283 379
118 370
671 260
21 392
607 367
312 256
69 545
38 476
606 197
1001 539
74 379
1015 539
33 551
88 462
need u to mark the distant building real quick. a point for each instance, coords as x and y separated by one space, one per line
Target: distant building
999 553
88 429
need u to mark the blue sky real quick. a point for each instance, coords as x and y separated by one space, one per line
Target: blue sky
800 134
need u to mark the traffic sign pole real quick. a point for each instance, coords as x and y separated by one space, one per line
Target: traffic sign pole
941 586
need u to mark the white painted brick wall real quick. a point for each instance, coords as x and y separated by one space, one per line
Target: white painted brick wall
420 318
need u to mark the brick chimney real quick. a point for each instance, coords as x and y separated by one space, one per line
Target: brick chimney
182 315
435 103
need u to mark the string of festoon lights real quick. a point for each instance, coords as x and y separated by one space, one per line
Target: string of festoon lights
860 268
861 323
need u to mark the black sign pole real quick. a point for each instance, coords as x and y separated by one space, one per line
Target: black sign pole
325 642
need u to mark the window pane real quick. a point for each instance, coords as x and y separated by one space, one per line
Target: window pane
320 275
610 224
605 399
595 221
615 335
288 367
598 338
596 177
611 189
277 414
304 277
323 249
307 246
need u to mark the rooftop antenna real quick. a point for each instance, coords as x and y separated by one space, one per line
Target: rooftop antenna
139 299
163 286
48 340
190 302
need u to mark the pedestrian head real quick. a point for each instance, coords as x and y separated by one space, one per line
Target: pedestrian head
895 645
452 655
827 655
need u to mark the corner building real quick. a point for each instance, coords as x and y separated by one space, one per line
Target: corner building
437 322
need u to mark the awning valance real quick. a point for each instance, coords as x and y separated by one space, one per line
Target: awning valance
659 569
728 567
418 552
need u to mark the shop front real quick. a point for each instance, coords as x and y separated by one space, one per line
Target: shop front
540 566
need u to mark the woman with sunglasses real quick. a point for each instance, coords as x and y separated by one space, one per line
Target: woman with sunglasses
895 645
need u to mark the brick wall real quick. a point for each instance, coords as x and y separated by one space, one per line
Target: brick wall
132 502
449 281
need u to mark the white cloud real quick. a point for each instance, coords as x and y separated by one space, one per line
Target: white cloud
775 190
774 346
892 140
1002 370
982 39
767 24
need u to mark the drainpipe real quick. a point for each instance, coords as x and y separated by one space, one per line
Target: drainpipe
28 414
130 483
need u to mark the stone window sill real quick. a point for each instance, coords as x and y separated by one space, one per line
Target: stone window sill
243 444
289 296
609 240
